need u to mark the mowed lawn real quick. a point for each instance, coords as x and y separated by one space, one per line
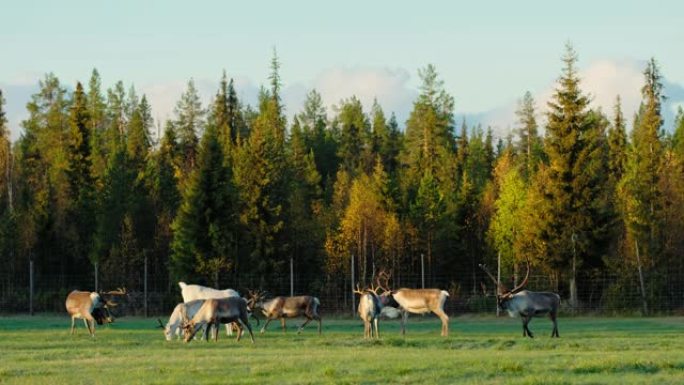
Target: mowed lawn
479 350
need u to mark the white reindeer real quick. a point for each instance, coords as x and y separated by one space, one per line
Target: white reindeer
369 310
195 292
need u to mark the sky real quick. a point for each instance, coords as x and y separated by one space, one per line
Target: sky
489 53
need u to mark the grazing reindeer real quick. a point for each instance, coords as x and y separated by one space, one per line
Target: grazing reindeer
526 304
91 307
369 310
194 292
182 312
218 311
287 307
416 301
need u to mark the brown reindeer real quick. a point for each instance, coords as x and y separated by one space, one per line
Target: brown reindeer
526 304
91 307
287 307
416 301
217 311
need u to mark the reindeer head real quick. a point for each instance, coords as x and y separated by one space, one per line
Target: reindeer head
187 328
503 295
387 296
113 298
255 300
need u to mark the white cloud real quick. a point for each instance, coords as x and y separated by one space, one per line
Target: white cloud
389 86
602 81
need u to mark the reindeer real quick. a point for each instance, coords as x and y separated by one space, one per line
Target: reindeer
416 301
91 307
526 304
287 307
369 310
181 313
195 292
216 311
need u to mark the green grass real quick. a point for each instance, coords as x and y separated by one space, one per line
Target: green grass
480 350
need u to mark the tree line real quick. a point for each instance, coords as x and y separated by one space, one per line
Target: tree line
231 190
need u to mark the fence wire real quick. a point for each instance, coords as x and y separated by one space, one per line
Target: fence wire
470 293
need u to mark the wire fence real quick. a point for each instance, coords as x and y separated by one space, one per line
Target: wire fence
154 295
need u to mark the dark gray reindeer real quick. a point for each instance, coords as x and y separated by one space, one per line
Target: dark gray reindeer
525 303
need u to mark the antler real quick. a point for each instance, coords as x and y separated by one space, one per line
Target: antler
383 275
161 325
358 290
373 289
500 287
524 282
118 291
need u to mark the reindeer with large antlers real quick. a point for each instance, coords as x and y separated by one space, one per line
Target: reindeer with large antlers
525 303
369 310
416 301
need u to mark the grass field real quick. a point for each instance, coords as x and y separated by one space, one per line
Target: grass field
480 350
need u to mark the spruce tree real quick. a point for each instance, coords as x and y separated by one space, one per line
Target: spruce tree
529 142
81 180
263 174
188 124
575 214
203 230
354 132
641 197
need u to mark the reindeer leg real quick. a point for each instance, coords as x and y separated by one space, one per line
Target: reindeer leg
239 332
268 320
377 332
245 321
73 325
404 319
206 331
527 321
282 324
554 333
90 324
304 324
445 321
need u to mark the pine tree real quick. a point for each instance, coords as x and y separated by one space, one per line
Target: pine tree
262 175
138 147
81 180
203 241
97 125
617 145
317 137
529 142
642 200
678 135
354 131
188 124
8 230
165 196
574 228
305 206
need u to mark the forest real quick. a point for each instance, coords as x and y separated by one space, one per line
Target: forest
231 194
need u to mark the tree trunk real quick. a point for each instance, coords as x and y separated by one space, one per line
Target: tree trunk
641 279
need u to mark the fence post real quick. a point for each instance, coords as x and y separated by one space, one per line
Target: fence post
641 279
498 279
422 271
291 277
95 267
31 287
353 301
145 287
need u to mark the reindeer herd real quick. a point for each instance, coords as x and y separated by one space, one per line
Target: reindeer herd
205 309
